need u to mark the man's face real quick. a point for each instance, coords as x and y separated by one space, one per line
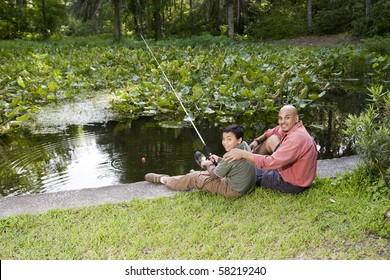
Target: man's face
287 119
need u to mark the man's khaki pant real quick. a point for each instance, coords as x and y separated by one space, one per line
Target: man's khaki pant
201 181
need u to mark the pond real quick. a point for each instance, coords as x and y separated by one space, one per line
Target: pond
97 155
118 152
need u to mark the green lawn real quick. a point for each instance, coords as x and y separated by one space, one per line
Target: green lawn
330 221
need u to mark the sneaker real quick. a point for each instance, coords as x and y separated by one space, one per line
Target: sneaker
154 177
199 157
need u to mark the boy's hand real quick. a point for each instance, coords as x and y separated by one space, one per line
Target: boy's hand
214 158
205 163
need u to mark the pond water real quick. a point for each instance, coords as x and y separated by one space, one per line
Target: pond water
95 155
116 152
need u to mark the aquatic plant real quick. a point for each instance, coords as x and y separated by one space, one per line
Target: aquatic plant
223 82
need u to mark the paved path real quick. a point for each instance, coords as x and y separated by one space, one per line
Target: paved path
39 203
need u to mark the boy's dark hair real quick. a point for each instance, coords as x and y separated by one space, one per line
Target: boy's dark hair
236 130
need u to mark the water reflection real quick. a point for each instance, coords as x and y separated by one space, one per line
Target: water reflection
98 155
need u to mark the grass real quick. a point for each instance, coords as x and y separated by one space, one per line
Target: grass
327 222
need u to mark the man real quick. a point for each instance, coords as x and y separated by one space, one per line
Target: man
231 180
288 159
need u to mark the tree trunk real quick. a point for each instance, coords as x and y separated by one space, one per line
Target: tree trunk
191 19
368 8
310 16
140 9
117 21
44 27
230 17
97 17
242 16
181 10
238 12
157 19
21 3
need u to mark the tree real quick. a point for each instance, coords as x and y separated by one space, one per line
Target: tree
368 8
47 16
44 20
157 22
230 17
309 16
88 10
13 22
117 21
191 18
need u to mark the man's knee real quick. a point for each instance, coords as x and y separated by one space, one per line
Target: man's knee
272 142
268 146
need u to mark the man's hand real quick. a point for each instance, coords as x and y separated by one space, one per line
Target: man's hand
234 154
253 145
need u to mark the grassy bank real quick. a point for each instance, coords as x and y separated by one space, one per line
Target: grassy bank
330 221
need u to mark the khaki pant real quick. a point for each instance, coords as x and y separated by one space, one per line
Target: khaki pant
201 181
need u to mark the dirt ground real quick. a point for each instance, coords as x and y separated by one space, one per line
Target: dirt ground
327 40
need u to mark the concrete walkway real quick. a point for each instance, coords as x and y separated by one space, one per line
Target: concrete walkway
39 203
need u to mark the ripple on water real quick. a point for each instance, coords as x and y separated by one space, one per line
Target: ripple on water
53 164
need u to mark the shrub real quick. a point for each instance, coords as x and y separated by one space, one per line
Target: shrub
333 21
378 44
370 136
376 24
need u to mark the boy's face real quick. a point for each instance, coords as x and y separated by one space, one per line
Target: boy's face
229 141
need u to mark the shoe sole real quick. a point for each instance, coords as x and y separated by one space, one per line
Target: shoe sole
154 177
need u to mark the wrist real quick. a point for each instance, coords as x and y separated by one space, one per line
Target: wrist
206 164
257 141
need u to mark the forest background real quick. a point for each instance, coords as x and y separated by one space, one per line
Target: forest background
301 76
258 19
348 217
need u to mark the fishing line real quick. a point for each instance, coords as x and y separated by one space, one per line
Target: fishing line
174 91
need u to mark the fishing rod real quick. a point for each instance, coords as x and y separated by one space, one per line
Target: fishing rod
174 91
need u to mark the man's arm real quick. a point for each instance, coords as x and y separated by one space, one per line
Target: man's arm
257 141
237 154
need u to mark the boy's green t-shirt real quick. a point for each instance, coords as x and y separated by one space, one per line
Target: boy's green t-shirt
240 174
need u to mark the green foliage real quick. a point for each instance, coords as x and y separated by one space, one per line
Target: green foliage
13 21
332 17
376 23
336 20
223 81
276 20
21 21
234 82
370 135
379 17
265 19
378 44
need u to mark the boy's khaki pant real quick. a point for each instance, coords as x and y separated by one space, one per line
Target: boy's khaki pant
198 180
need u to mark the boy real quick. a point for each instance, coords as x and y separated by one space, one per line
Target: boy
229 179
